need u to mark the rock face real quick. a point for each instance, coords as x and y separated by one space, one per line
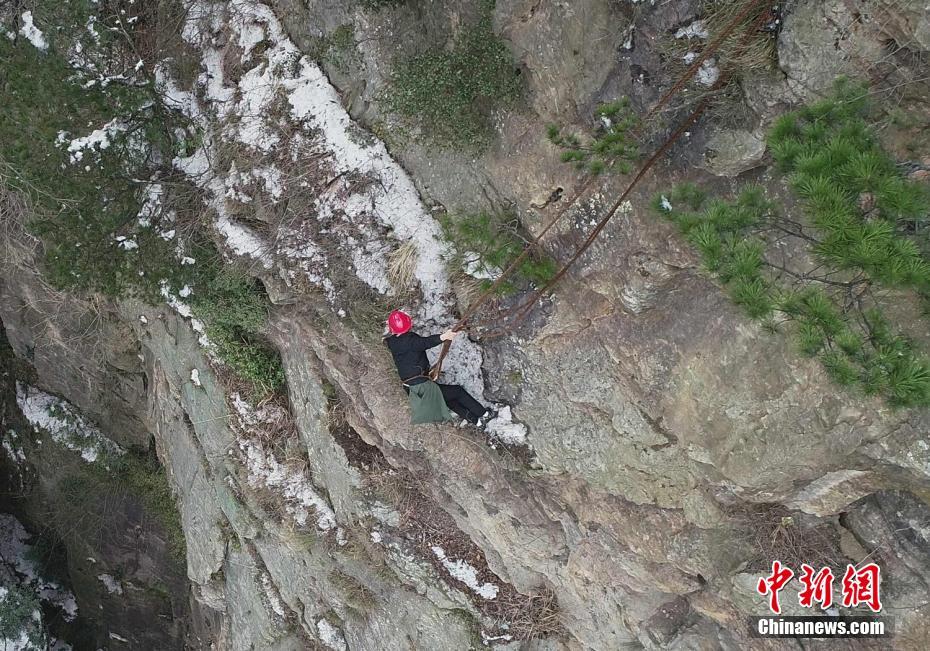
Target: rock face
670 441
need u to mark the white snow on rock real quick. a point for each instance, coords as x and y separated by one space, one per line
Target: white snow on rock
64 423
697 29
362 201
708 73
126 243
151 204
476 268
185 311
244 241
330 636
195 377
15 551
271 594
291 482
462 571
97 141
488 639
502 428
111 583
13 451
32 33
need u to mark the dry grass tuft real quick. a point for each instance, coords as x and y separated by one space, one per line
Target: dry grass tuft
467 288
774 532
401 267
758 52
738 54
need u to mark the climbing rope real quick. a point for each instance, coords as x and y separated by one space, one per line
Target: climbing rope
523 309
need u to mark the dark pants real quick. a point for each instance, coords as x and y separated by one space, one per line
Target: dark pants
458 400
461 402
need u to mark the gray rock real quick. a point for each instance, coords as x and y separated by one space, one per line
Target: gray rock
732 152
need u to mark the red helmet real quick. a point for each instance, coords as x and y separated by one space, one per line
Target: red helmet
399 322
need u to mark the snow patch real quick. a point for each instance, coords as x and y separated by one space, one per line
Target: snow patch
96 142
32 33
290 481
111 583
708 73
271 594
13 451
476 268
465 573
697 29
16 552
502 428
63 423
126 243
330 636
243 240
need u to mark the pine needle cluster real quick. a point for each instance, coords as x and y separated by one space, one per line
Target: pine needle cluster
484 244
852 190
720 231
611 148
832 159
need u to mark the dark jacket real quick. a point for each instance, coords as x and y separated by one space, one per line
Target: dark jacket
409 351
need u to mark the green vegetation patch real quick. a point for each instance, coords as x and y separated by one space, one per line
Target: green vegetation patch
88 203
234 308
84 201
450 94
337 48
485 244
611 148
88 495
863 222
853 192
17 607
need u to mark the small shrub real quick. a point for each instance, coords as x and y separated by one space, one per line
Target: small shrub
485 244
870 356
235 309
144 477
338 48
612 147
853 191
450 94
17 607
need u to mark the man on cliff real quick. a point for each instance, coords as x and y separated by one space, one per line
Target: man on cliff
429 402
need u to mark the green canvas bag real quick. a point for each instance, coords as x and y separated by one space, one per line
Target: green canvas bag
427 404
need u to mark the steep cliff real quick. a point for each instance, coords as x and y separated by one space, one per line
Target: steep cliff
663 448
